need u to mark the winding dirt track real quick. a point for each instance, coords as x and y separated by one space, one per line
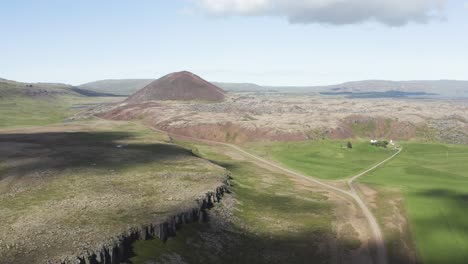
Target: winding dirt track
378 238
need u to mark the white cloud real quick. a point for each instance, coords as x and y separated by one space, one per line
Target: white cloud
242 7
337 12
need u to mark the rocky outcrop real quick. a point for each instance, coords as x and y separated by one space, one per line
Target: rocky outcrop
119 249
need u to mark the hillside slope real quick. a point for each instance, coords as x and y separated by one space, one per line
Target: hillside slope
29 104
118 87
11 89
179 86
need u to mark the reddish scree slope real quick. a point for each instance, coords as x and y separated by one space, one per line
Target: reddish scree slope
179 86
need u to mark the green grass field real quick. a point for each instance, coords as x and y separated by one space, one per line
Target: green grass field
324 159
18 111
433 179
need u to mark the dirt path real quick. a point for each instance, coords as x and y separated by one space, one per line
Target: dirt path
378 239
378 236
376 231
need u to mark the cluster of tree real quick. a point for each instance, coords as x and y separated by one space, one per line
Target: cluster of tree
382 144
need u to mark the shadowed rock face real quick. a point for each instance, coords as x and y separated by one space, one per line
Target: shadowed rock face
179 86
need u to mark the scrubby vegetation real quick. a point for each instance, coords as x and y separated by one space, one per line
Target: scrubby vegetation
380 143
67 189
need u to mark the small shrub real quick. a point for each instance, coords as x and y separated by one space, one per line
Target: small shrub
382 144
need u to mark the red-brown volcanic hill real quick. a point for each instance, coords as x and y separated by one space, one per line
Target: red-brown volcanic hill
179 86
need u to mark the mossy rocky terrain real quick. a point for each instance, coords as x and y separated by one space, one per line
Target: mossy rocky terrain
83 190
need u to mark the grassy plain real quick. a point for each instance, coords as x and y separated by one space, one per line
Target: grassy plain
325 159
433 178
17 111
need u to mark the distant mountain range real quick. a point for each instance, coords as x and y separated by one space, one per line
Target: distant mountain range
367 88
118 86
10 89
360 89
442 88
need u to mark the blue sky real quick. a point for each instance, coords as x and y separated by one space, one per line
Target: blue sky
80 41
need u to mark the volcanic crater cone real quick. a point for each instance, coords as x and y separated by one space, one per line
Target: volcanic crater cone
179 86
